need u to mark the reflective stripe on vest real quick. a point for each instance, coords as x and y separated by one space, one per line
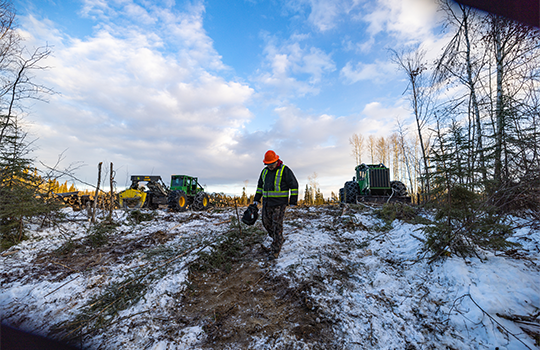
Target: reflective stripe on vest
277 182
277 185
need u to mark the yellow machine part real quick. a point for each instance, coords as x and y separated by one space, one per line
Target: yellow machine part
131 198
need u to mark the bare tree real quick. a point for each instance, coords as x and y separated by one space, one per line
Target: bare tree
461 62
381 150
395 152
516 53
414 66
371 146
406 154
357 143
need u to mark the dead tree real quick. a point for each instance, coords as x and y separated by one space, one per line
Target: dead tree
96 195
412 63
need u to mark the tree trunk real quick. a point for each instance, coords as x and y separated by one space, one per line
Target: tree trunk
474 100
417 117
111 204
499 107
96 195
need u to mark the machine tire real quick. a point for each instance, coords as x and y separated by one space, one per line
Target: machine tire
342 195
351 191
201 201
177 201
399 188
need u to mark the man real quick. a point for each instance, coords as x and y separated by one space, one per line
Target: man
275 182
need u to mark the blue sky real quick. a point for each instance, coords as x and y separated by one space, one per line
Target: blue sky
205 88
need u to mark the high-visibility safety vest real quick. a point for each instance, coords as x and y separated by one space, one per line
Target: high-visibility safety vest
280 192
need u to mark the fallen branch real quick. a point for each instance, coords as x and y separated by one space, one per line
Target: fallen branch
118 320
254 284
124 285
238 216
46 295
418 238
223 222
60 264
490 317
10 253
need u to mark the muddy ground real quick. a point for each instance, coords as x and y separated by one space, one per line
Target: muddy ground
247 302
234 303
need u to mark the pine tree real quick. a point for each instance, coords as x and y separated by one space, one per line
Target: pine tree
319 198
463 219
20 187
307 196
63 188
244 198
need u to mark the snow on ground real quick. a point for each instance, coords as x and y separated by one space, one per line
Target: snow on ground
368 280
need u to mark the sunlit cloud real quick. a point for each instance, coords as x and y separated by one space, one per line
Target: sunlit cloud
288 63
405 19
143 105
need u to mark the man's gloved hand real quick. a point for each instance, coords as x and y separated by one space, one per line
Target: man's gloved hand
256 203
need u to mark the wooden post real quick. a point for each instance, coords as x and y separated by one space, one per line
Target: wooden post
238 217
111 204
96 194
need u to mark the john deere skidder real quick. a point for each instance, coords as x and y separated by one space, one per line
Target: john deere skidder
372 184
184 191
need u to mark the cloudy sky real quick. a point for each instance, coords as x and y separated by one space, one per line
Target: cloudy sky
205 88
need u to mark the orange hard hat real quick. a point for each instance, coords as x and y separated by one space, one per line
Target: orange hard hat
270 157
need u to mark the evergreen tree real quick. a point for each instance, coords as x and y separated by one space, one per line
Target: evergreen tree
20 195
244 198
20 187
463 219
319 198
307 196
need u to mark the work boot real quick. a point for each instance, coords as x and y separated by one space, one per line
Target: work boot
276 245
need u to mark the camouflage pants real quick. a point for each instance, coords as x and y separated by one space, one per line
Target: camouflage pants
272 218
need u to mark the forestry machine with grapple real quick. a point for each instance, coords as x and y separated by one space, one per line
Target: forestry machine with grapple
372 184
184 191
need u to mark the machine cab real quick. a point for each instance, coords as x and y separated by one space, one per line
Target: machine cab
185 183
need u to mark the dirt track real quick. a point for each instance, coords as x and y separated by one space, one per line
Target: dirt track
248 302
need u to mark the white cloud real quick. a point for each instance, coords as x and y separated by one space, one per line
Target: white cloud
289 62
319 142
305 142
325 14
375 72
382 121
406 19
358 47
95 8
122 98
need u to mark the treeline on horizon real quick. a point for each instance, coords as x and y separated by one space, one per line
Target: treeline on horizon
312 195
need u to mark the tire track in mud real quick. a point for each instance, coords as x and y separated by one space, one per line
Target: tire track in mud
249 305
